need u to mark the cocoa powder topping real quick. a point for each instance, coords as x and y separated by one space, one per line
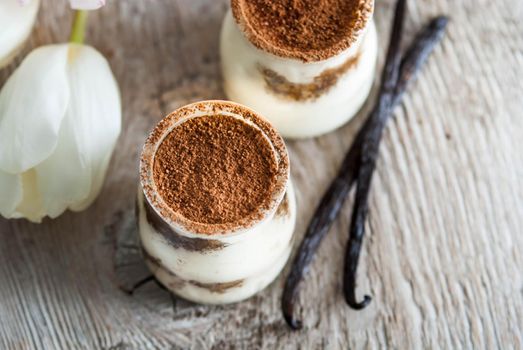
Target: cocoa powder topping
215 169
302 29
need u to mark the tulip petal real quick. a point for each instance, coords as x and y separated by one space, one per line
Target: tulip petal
10 193
86 4
32 105
73 175
98 91
16 22
64 177
31 206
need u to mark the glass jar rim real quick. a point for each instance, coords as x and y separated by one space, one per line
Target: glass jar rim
361 16
175 219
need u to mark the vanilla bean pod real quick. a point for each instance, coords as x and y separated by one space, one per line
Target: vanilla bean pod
335 196
418 53
414 59
368 155
391 69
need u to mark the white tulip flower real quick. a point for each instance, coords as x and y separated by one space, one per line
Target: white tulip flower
16 23
17 18
60 116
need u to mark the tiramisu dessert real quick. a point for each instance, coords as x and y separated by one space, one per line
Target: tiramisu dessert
307 66
216 206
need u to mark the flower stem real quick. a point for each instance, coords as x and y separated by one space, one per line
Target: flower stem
79 25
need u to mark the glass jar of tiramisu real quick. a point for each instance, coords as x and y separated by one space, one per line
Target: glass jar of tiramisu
216 208
307 66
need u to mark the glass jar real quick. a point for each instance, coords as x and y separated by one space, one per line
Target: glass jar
302 92
213 263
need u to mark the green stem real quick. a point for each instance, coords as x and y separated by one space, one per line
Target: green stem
79 25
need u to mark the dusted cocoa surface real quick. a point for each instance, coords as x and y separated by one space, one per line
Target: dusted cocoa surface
302 29
213 108
215 169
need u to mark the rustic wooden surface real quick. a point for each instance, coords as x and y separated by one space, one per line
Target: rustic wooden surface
444 254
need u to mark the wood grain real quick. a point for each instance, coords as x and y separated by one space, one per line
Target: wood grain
443 257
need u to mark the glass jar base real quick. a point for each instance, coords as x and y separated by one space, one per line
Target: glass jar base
214 273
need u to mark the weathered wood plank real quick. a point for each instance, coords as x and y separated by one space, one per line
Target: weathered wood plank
444 253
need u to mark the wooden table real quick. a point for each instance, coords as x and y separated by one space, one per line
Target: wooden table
443 257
